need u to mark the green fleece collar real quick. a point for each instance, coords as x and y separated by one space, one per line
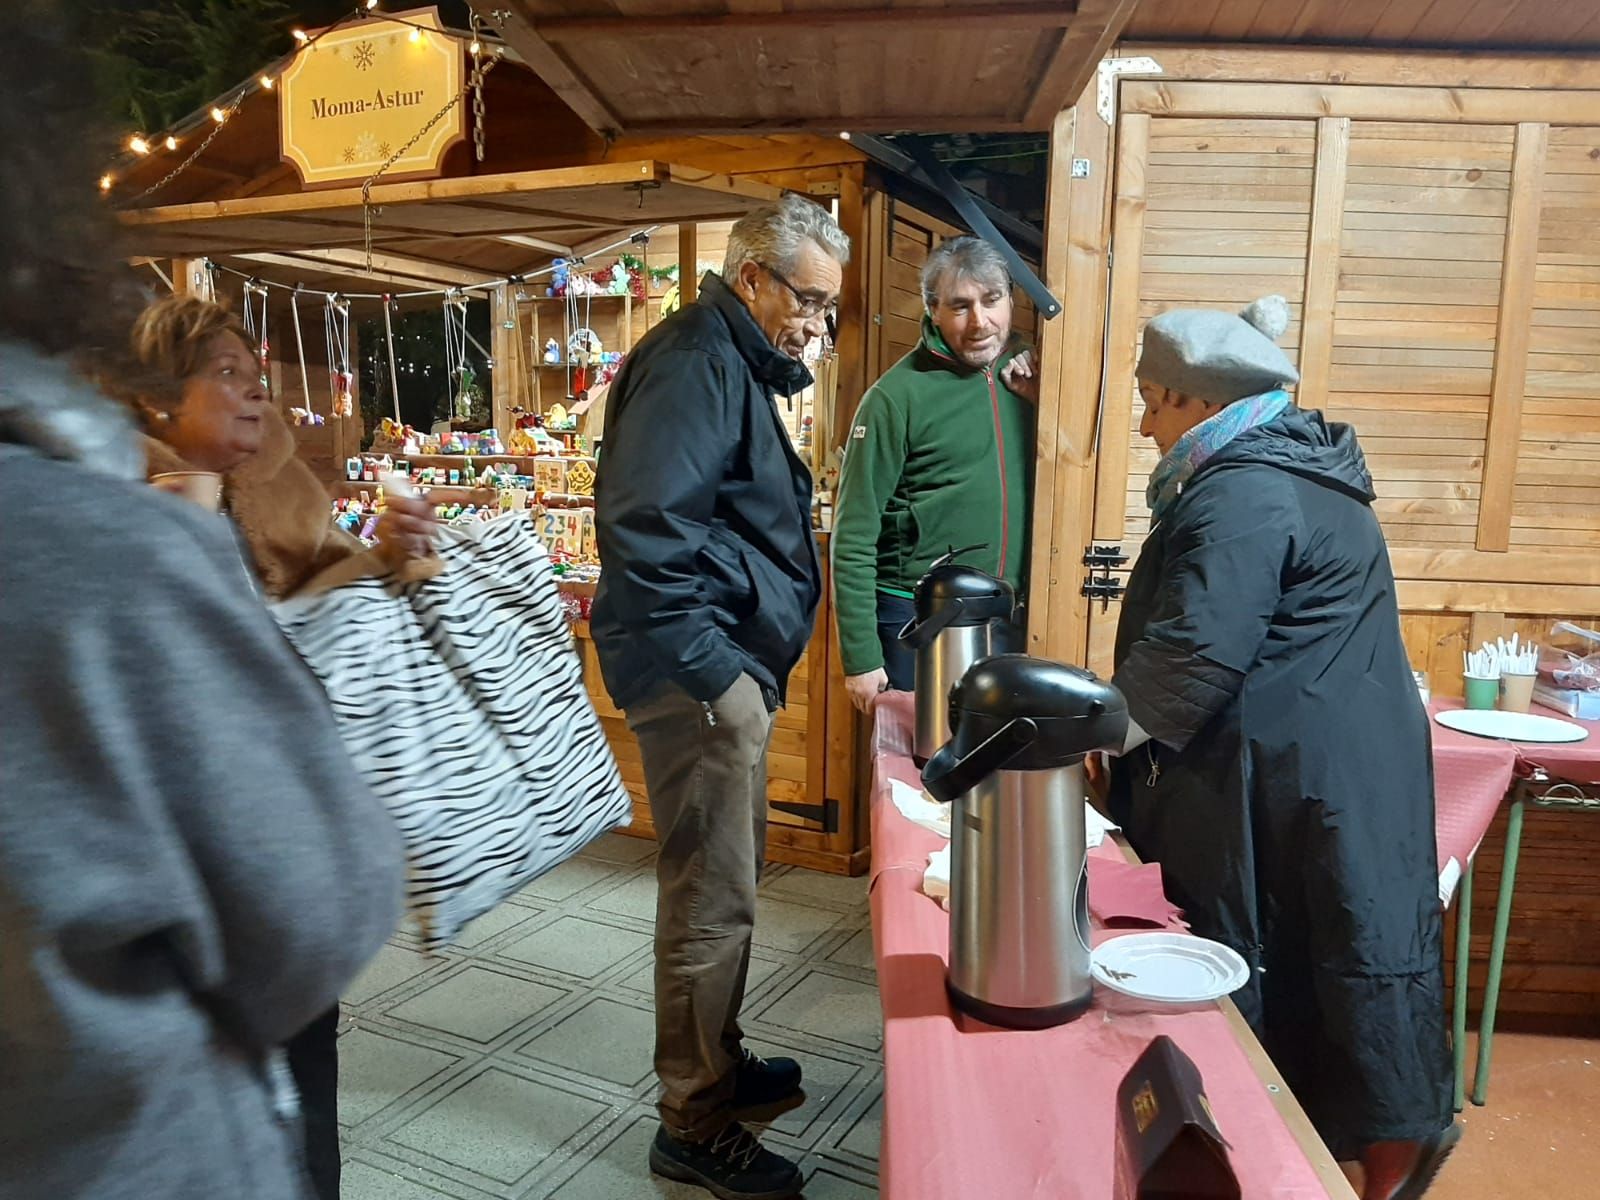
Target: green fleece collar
933 341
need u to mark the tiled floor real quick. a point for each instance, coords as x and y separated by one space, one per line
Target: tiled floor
516 1065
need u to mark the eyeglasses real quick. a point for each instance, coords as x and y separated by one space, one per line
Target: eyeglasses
810 305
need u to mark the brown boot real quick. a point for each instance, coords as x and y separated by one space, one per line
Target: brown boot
1405 1170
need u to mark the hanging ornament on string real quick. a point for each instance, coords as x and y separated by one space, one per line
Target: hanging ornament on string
306 415
341 380
458 373
255 320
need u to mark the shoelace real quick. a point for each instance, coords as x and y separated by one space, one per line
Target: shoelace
737 1144
754 1061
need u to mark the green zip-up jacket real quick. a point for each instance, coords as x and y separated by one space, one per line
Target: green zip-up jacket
939 457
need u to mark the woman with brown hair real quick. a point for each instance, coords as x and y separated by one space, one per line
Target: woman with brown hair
209 411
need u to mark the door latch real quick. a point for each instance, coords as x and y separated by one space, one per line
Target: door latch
1101 584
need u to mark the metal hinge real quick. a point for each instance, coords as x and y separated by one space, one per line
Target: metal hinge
826 813
1101 584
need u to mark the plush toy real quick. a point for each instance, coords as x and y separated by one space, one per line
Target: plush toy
552 352
558 277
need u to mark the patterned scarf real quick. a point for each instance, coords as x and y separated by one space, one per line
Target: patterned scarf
1196 447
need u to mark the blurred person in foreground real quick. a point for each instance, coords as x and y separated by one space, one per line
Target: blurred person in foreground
709 587
190 868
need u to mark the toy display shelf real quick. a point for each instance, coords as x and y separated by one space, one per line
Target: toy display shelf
457 493
478 460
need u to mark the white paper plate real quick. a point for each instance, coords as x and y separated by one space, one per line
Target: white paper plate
1175 967
1512 726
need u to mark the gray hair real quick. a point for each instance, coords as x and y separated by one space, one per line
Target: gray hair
965 257
774 235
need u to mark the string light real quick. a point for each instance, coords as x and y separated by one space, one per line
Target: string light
138 145
300 35
218 115
476 47
416 34
266 82
172 142
371 4
105 183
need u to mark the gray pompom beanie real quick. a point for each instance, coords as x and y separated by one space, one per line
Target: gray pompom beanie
1216 356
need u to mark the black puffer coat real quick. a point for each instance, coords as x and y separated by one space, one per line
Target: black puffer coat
1287 790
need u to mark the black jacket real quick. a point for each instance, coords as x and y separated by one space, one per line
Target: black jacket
709 568
1288 788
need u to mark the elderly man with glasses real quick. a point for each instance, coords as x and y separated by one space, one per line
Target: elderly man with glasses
937 459
710 583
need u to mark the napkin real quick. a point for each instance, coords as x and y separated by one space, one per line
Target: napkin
916 806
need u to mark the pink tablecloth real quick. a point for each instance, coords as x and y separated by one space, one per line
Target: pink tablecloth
971 1110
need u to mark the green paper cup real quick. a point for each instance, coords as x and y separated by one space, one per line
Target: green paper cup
1481 693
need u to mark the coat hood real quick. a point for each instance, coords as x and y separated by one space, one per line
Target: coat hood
767 363
47 405
1303 443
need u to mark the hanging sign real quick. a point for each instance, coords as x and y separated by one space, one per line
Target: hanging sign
361 93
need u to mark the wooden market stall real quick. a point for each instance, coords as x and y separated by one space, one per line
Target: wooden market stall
1419 179
547 187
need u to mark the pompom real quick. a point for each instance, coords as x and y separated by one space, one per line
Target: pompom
1270 315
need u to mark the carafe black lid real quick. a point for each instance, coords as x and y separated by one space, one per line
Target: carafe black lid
1070 710
976 595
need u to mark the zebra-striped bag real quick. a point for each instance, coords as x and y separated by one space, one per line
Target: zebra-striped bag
462 702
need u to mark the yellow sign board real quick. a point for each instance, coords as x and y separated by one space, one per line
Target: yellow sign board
359 94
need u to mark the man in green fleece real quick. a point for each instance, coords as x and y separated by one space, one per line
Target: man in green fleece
939 457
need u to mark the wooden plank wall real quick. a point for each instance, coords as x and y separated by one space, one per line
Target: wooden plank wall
1449 280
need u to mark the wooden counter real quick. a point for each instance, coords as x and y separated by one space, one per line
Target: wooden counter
814 817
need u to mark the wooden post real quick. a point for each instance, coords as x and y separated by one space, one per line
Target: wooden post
853 314
1122 329
1070 356
1322 268
688 260
1520 263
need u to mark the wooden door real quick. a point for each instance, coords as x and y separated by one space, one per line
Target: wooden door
1444 280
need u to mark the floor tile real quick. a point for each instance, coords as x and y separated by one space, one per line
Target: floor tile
635 898
492 924
825 1006
792 928
362 1181
620 848
477 1004
857 952
577 946
622 1172
567 880
841 890
866 1132
643 980
498 1125
604 1039
389 968
375 1070
824 1184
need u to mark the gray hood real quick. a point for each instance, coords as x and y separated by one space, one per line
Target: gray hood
47 405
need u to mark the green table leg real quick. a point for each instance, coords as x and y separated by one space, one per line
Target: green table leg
1497 948
1458 1030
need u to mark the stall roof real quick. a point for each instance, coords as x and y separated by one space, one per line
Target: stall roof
1568 25
636 66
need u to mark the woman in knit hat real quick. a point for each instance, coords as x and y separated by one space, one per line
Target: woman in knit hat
1279 768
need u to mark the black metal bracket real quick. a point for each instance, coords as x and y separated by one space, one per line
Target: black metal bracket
1101 584
826 813
965 203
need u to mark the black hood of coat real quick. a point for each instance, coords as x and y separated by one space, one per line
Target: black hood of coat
1303 443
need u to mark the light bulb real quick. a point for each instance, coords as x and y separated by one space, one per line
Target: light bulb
172 142
105 183
218 115
416 34
300 35
371 4
138 145
476 47
266 82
